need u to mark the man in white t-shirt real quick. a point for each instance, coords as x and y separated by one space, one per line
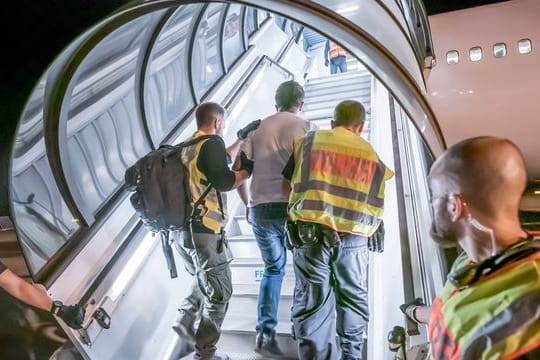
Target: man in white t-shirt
269 147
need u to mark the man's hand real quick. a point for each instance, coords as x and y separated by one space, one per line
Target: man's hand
376 241
326 63
243 133
245 163
247 216
73 315
409 309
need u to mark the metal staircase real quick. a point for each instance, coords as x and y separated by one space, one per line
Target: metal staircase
324 93
238 329
238 335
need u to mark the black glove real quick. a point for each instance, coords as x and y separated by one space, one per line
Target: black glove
245 163
73 315
408 308
376 241
243 133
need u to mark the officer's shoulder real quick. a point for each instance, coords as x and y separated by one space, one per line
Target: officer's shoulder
214 141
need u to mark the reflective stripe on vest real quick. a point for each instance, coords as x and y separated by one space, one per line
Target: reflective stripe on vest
335 51
338 181
212 218
496 318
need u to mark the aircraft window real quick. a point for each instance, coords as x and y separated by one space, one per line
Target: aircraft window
524 46
167 100
232 36
251 22
262 15
475 53
499 50
452 57
103 138
280 22
206 57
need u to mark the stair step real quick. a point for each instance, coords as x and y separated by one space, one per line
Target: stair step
252 290
312 99
343 92
241 238
242 314
322 89
252 273
355 82
331 102
245 227
244 249
338 77
240 346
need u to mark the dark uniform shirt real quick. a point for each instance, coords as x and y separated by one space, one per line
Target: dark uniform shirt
213 163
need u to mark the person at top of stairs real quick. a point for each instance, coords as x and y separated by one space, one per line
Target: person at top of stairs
335 56
269 147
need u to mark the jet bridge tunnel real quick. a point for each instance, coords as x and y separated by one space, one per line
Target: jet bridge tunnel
132 82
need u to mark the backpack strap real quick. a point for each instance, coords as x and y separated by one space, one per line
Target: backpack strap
220 204
207 191
201 199
196 140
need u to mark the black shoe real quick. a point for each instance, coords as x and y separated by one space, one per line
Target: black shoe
267 345
243 133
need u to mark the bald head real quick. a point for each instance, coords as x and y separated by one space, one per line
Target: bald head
489 172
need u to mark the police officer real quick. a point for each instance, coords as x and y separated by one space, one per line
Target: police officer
488 308
336 208
204 250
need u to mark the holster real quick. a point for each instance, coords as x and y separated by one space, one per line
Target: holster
292 238
330 237
312 233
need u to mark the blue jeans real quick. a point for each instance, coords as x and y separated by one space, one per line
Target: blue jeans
268 222
339 63
330 296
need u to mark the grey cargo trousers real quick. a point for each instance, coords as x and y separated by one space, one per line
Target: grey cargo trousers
211 288
330 296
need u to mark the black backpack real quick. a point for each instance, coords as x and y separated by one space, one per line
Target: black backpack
160 185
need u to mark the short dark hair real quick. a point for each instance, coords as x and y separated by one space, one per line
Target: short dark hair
289 94
349 112
206 112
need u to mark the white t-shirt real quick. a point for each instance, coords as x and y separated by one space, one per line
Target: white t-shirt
270 147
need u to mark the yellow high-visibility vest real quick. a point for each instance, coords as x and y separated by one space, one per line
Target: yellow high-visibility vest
335 51
338 181
212 217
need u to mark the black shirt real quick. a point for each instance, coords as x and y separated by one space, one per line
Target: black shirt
213 163
2 267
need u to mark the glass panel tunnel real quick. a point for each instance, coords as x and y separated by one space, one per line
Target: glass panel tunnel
132 83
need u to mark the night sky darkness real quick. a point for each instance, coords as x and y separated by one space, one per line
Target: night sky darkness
35 32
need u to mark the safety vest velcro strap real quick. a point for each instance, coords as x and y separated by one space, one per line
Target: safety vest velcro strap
340 191
347 214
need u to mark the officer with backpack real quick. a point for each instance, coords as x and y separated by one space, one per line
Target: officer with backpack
204 247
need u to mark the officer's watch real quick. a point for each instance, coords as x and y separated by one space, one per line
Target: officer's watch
56 305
